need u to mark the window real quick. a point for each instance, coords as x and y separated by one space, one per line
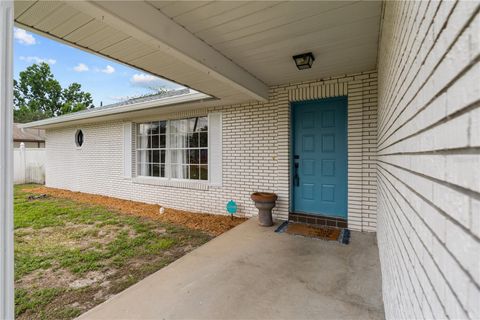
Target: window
79 138
175 149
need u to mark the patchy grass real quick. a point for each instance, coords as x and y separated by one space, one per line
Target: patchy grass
212 224
71 256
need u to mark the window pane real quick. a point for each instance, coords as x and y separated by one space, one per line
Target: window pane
155 170
204 156
144 169
194 172
192 123
193 140
147 128
155 142
179 156
139 169
203 139
202 124
143 128
178 126
154 128
162 156
172 140
149 142
173 126
142 156
162 170
162 141
194 157
179 172
178 140
156 156
142 142
203 172
163 126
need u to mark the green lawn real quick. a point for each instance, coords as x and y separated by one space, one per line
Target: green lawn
70 257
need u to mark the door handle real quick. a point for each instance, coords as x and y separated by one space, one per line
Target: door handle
296 178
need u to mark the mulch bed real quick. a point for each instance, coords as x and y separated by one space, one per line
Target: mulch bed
209 223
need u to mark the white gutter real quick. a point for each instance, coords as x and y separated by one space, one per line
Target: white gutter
95 113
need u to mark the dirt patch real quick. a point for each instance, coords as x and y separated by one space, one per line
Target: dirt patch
92 277
209 223
55 278
79 236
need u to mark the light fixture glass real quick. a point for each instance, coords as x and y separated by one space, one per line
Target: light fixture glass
304 60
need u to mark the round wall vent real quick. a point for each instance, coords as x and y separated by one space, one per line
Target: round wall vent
79 138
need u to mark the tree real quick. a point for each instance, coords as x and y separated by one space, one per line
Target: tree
38 95
74 99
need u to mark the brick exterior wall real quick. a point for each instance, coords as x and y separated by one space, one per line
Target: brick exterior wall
428 160
256 154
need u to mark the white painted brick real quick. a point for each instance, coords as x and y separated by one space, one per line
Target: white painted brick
256 155
464 170
456 204
475 217
475 126
428 123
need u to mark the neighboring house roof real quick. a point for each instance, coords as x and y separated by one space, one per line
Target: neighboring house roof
27 134
137 104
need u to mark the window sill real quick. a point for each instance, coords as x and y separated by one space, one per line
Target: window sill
174 183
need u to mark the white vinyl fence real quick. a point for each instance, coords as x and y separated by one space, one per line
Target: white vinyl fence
29 165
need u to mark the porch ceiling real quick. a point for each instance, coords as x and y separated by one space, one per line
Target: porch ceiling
263 36
231 50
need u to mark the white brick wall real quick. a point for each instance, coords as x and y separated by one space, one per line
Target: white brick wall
256 153
429 159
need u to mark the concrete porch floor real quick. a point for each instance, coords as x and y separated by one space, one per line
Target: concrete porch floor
251 272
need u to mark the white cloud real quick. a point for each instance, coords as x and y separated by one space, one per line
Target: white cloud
108 69
81 67
23 37
143 79
37 60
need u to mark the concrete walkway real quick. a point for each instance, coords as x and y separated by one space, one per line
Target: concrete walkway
253 273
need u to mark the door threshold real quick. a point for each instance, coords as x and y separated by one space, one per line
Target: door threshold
318 220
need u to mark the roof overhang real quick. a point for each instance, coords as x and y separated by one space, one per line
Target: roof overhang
119 112
135 33
143 22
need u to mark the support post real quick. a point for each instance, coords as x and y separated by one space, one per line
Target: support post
6 160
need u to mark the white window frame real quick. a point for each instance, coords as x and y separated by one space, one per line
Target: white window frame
168 178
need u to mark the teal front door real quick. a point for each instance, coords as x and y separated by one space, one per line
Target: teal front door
319 168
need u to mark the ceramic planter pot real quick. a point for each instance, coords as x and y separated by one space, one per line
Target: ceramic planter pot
264 202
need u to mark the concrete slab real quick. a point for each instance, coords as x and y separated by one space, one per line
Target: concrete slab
252 272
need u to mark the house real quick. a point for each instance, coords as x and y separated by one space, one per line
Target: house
377 128
30 137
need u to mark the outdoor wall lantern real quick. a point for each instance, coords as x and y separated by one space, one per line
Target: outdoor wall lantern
304 60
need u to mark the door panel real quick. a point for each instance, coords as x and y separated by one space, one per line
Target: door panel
320 157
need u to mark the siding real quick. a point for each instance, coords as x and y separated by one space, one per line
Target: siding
256 154
429 159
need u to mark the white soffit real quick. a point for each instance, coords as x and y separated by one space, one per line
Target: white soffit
228 49
263 36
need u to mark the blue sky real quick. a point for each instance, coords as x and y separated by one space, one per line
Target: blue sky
106 80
